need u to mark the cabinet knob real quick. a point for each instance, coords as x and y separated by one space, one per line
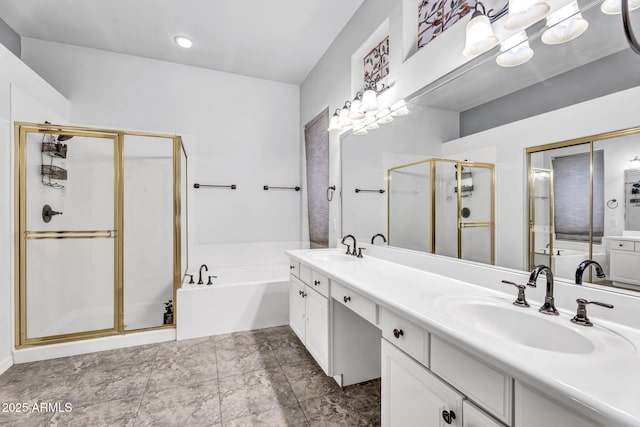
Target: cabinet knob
620 244
291 267
316 282
300 292
398 333
448 416
347 299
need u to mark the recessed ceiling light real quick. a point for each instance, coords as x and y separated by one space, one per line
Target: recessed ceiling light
183 41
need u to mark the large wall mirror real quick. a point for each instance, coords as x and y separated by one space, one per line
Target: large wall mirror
402 180
584 204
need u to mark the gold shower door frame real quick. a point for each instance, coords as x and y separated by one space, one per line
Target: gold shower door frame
460 223
22 234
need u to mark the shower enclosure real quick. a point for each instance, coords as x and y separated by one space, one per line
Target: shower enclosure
444 207
99 231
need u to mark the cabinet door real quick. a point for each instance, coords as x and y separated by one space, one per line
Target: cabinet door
474 417
317 333
296 308
532 409
413 396
625 267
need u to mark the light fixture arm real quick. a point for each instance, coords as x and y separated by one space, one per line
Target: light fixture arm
628 31
493 17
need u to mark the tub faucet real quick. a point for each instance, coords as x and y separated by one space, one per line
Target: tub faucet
549 303
384 239
349 236
200 281
583 266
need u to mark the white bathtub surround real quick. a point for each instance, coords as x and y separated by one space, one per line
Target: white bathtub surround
250 291
600 381
73 348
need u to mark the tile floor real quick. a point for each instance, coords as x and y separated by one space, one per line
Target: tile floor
257 378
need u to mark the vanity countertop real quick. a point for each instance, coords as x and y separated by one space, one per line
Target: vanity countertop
605 383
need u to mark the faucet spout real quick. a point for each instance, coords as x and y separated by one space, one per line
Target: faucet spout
384 239
583 266
200 281
349 236
549 302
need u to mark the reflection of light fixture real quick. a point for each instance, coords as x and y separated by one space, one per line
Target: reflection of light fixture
356 113
370 122
515 51
334 123
399 108
384 116
479 36
523 13
614 7
564 25
635 162
542 175
359 128
183 41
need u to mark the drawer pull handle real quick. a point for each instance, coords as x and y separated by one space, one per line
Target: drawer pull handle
347 299
316 282
398 333
620 244
291 267
448 416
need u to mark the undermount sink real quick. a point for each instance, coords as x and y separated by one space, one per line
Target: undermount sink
528 327
331 256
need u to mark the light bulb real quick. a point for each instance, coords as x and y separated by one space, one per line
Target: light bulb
523 13
479 36
334 123
515 51
345 121
369 101
564 25
356 113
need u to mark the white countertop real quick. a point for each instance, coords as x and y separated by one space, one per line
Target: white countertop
604 384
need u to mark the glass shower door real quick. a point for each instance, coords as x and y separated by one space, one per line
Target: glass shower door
68 230
476 201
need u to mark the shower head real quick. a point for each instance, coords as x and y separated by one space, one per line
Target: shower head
64 137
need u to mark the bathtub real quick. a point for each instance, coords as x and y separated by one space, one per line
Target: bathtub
564 262
251 290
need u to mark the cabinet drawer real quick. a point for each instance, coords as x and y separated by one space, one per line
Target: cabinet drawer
305 274
474 417
488 387
320 283
356 302
621 245
294 268
405 335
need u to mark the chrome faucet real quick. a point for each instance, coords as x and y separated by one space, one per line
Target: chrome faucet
583 266
348 246
384 239
549 304
200 281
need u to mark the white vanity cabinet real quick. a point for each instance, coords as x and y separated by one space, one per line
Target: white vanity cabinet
309 319
624 262
413 396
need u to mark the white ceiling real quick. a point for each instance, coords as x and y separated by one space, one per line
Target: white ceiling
276 40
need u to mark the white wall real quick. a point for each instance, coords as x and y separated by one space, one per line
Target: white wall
246 131
24 96
612 112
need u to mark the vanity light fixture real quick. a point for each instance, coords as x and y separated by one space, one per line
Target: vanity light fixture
564 25
614 7
370 123
479 34
515 51
356 113
334 122
635 162
384 116
370 97
183 41
345 121
361 131
523 13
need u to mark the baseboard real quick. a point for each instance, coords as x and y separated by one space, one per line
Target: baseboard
5 364
53 351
